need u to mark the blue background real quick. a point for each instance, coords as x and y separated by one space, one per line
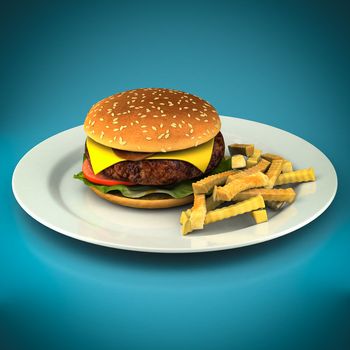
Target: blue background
280 63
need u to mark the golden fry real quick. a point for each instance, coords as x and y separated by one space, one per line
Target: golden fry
198 212
211 204
235 209
253 160
238 162
302 175
270 157
230 190
186 225
184 216
259 215
275 194
207 184
260 167
274 171
287 166
241 148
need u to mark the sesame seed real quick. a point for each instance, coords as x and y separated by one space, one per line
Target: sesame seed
107 126
148 138
196 144
143 126
174 116
92 123
205 120
154 128
115 122
197 118
112 114
101 119
185 107
116 129
110 140
191 131
137 122
143 116
162 150
161 125
190 125
180 126
121 141
160 136
102 134
155 116
194 109
183 122
173 125
144 131
167 136
192 137
187 135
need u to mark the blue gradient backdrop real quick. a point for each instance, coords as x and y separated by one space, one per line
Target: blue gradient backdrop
281 63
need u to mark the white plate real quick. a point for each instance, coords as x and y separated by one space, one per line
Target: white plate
43 185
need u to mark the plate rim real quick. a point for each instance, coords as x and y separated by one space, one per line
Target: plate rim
218 247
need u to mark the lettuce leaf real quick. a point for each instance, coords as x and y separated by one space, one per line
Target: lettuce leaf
180 190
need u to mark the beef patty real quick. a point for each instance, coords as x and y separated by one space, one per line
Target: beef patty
163 171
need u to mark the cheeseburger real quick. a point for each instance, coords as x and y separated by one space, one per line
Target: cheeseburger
145 147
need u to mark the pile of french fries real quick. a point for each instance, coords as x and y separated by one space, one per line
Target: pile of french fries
249 187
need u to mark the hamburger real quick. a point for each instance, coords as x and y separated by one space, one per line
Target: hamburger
145 147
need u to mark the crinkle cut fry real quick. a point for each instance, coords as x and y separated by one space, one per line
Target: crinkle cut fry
260 167
198 212
211 204
207 184
302 175
270 157
274 171
246 206
241 148
230 190
259 216
274 194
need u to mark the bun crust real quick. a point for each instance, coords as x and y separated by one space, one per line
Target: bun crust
152 120
156 201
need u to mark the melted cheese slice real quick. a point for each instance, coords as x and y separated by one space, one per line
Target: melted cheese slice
101 157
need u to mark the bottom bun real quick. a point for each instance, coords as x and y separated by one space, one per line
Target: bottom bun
153 201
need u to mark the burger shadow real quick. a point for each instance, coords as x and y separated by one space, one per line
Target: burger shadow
59 250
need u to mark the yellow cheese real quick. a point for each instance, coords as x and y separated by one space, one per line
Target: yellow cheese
101 157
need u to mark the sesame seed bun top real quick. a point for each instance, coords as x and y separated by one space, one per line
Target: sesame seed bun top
152 120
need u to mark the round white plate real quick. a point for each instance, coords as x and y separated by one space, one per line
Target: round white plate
43 185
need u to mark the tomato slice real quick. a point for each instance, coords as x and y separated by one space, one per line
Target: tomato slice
99 178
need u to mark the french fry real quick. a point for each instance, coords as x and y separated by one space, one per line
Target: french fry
184 216
235 209
229 191
275 194
260 167
186 225
302 175
253 160
259 215
274 171
211 204
287 166
198 212
241 148
270 157
207 184
238 162
274 205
